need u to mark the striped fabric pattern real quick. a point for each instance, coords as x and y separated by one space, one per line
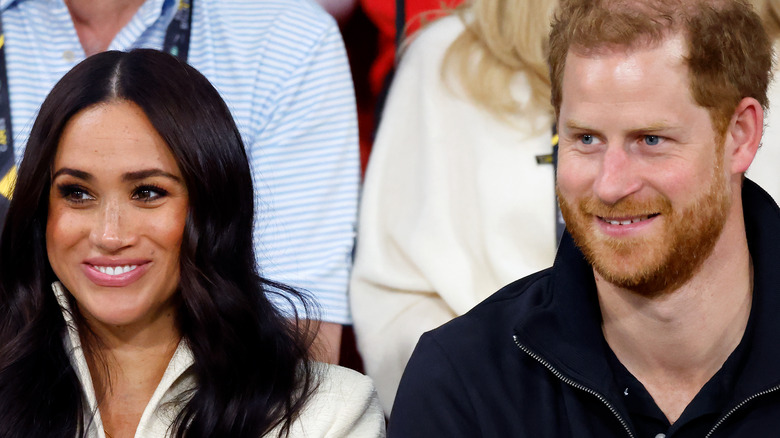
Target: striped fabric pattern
281 67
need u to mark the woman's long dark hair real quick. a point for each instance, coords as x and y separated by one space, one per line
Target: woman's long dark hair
250 361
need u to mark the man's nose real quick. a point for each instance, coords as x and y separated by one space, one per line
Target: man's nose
112 229
618 176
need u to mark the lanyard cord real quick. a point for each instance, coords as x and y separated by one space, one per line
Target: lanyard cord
177 37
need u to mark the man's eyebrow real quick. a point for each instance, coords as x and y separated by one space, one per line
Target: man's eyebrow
574 125
72 172
653 127
146 173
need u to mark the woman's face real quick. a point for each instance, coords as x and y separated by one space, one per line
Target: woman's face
117 209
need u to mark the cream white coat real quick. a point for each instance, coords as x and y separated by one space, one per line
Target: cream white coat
765 170
344 405
454 207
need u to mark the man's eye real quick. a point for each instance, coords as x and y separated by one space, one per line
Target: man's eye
652 140
587 139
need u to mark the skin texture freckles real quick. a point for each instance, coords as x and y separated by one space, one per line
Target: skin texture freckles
117 203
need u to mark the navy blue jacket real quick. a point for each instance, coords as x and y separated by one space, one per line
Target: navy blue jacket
530 360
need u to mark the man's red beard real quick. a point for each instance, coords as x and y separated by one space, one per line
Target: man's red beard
659 263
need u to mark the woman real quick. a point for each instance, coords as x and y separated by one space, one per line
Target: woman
134 204
455 204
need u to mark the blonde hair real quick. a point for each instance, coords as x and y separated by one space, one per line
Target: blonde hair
502 38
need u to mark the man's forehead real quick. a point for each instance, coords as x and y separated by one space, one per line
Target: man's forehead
645 87
660 64
673 45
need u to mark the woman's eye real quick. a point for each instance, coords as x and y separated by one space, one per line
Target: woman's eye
75 194
148 193
652 140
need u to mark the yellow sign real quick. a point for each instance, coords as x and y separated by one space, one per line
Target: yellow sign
8 183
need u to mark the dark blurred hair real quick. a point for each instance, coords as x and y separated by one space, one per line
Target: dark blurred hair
250 361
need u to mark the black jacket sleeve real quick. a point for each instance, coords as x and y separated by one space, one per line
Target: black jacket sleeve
432 400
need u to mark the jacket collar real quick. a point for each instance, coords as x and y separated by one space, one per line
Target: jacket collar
564 327
762 226
175 380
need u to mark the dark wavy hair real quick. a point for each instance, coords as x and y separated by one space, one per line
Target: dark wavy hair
251 362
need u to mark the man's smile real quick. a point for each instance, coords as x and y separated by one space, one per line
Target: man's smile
627 220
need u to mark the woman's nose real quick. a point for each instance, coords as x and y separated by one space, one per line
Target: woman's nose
112 230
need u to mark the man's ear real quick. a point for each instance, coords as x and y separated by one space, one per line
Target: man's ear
743 135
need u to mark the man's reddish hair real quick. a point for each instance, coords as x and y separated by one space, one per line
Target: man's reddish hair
729 53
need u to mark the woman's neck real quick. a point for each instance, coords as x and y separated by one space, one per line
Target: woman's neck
125 378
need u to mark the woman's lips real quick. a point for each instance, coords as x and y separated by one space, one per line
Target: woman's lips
115 274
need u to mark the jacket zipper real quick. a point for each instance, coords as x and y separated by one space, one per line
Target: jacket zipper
612 409
576 385
737 407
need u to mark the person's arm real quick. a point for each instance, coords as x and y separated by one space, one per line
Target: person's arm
432 399
327 343
305 158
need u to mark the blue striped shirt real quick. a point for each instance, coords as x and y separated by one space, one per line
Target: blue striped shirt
281 67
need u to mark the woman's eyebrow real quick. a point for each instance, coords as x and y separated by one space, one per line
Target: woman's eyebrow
72 172
129 176
146 173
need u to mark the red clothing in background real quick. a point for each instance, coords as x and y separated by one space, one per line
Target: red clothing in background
382 14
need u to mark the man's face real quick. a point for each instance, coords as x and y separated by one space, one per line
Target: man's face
641 177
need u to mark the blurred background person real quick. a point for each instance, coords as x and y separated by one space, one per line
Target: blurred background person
371 38
369 31
765 169
129 289
458 197
341 10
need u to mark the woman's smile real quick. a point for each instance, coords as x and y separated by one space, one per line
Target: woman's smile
115 273
117 209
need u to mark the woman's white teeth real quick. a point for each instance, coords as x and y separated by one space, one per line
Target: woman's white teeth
116 270
628 221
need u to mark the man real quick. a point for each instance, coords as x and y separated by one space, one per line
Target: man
659 316
280 65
